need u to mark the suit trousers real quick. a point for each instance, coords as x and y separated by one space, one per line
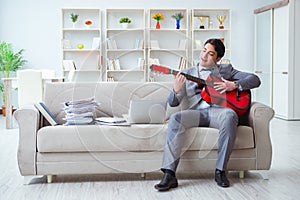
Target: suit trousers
221 118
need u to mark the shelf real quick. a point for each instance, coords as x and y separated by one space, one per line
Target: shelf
124 50
184 50
81 29
122 71
87 60
211 24
168 46
204 30
121 30
125 47
168 29
202 49
79 70
82 50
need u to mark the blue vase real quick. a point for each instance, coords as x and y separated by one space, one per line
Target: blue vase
177 24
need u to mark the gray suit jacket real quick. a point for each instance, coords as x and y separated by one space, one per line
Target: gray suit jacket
191 89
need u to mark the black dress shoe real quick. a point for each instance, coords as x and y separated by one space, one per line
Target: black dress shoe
221 179
167 182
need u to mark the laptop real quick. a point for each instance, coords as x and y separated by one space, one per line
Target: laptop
147 112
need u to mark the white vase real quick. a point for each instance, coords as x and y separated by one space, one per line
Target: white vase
124 25
74 24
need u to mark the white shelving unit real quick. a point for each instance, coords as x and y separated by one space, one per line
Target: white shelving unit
211 29
167 45
129 52
87 60
125 54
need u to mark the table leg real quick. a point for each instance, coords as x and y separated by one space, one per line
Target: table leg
8 99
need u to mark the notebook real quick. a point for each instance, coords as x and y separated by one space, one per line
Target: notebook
147 112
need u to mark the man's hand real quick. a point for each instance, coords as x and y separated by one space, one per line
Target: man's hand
224 86
179 82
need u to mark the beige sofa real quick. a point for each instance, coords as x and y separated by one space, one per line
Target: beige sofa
95 149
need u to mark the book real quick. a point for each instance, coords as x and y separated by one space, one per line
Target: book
153 61
113 64
46 113
66 44
139 44
198 44
154 44
96 43
182 44
69 65
111 44
140 63
182 63
117 64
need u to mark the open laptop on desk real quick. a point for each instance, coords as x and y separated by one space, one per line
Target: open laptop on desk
147 112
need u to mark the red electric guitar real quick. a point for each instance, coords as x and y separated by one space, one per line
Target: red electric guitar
239 101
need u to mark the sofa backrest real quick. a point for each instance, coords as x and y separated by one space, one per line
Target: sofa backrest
114 97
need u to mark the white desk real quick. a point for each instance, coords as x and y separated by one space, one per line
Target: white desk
8 82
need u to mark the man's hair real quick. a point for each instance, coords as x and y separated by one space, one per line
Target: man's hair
218 45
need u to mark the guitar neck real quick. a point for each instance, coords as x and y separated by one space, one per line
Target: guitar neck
189 77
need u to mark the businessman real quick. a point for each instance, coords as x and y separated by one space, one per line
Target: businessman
203 114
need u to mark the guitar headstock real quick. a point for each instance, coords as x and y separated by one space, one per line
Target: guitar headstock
159 68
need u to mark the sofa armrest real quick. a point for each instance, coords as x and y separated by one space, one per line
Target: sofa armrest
29 122
260 116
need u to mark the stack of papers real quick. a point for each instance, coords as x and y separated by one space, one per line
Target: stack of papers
80 111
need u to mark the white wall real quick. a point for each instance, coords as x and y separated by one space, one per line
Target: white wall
35 25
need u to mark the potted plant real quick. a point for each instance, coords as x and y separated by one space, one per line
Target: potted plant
125 21
178 17
88 23
74 18
10 61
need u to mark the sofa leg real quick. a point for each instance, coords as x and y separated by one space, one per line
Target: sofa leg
264 174
143 175
33 179
49 178
242 174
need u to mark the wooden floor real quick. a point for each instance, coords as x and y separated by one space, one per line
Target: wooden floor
283 183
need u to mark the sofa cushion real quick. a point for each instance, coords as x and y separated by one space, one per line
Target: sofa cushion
143 137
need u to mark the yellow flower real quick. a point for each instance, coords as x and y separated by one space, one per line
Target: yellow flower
158 16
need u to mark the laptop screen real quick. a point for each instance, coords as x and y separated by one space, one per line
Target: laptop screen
147 111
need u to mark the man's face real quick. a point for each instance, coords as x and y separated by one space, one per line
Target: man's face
208 56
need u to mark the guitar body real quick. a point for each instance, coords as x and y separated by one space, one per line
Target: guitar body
237 100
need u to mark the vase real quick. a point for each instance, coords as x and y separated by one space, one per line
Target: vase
157 25
74 24
177 24
4 110
124 25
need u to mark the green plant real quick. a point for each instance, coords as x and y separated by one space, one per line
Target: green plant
74 17
178 16
9 62
125 20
